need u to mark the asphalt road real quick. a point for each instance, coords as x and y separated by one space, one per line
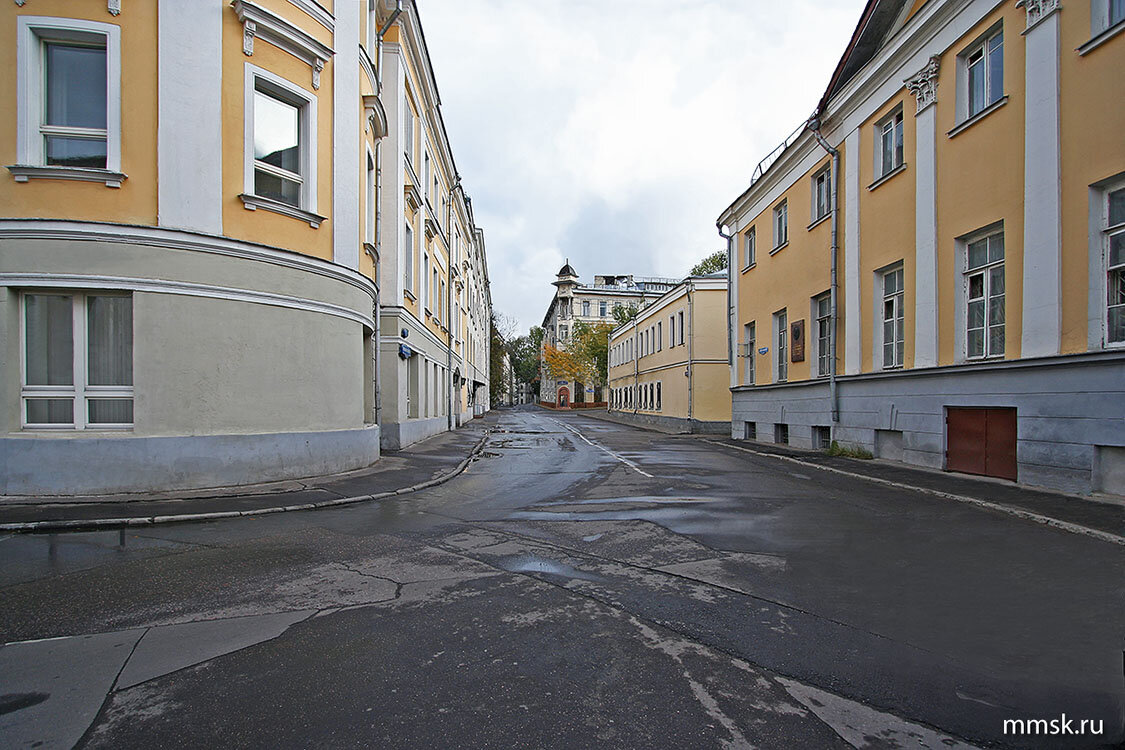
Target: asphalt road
582 584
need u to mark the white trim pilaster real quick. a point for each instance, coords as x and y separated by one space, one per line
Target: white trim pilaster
924 87
190 168
347 165
853 305
1042 242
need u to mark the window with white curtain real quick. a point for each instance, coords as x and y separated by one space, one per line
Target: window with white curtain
69 97
77 360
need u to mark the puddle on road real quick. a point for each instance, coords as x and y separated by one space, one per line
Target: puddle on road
535 564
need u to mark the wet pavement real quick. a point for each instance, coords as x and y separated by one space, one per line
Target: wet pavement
580 584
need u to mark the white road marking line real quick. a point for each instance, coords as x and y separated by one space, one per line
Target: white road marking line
622 459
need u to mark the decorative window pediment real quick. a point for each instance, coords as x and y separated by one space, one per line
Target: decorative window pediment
257 22
376 115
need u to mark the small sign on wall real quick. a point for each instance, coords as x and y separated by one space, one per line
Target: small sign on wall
797 340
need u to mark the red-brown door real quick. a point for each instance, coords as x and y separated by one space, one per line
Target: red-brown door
981 441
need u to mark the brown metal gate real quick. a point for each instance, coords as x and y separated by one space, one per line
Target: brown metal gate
981 441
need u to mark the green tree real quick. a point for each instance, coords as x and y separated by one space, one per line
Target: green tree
716 261
589 344
623 314
495 363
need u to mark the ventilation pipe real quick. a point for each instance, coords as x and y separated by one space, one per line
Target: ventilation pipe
833 392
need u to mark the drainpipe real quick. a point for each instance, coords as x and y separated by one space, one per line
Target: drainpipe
449 298
636 370
730 296
379 200
691 337
833 391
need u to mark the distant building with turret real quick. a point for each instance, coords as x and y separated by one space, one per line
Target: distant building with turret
573 302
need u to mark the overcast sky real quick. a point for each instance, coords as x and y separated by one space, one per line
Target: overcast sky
614 132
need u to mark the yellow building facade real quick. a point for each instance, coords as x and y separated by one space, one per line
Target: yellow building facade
189 247
437 305
929 268
668 367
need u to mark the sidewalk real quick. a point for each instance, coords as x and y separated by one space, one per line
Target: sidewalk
424 464
1104 514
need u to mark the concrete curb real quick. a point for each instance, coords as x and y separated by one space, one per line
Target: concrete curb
1073 528
111 523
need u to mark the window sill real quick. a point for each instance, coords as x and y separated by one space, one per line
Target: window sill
25 172
818 220
409 295
747 268
254 202
900 168
1101 38
978 116
780 247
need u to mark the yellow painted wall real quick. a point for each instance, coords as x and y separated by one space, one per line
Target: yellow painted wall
980 180
790 277
266 226
887 226
135 201
1092 121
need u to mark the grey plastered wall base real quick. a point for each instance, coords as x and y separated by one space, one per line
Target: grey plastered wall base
1066 408
398 435
105 465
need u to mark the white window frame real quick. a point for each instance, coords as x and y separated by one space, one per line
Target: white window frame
659 335
33 32
819 368
602 309
680 320
780 225
750 334
305 101
369 214
893 124
781 346
749 246
964 95
966 276
585 308
898 301
1107 233
408 257
79 391
821 188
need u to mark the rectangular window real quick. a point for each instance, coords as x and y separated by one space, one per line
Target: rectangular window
781 225
658 396
1116 12
671 330
984 67
434 303
585 308
601 309
562 333
823 309
78 361
69 96
821 193
888 145
277 147
659 336
749 335
1115 265
781 345
680 320
984 284
408 257
408 132
749 244
369 225
893 328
